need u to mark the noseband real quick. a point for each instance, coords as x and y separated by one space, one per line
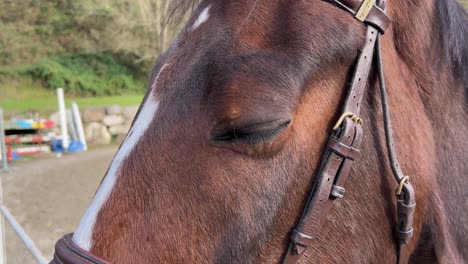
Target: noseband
343 144
341 150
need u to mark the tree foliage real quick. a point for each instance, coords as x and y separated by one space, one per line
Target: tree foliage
31 29
46 36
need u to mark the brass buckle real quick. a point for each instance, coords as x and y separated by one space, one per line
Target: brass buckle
364 10
353 117
400 187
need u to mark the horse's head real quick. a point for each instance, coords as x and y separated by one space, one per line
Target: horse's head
220 157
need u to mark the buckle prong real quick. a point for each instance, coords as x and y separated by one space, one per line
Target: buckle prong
400 187
353 117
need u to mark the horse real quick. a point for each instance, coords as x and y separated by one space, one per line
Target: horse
227 144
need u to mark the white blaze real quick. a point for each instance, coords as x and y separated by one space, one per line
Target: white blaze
204 15
83 234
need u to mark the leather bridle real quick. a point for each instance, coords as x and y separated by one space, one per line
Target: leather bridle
341 151
343 144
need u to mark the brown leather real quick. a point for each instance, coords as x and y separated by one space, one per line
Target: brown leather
332 176
376 18
343 148
406 200
67 252
361 74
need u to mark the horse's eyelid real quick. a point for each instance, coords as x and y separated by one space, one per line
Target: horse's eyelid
234 134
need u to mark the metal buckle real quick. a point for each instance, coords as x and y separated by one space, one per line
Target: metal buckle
353 117
400 187
300 241
337 192
364 10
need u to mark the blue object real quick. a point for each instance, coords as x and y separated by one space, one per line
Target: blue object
24 124
75 146
57 145
15 156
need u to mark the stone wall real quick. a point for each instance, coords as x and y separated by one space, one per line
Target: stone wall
104 125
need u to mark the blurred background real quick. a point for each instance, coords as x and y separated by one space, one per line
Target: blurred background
101 53
90 48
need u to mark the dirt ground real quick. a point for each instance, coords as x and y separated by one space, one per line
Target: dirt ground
48 197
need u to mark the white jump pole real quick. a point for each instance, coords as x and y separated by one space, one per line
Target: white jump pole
63 118
3 144
24 237
71 125
79 125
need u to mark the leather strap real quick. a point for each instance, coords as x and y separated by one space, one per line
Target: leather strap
376 17
361 74
344 142
329 186
342 149
67 252
406 197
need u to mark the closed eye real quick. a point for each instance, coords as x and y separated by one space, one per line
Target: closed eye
250 134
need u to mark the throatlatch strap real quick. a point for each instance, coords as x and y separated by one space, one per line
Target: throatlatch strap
406 197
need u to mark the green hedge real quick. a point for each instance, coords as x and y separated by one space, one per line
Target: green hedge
84 75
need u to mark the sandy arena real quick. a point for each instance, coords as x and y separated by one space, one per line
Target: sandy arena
48 197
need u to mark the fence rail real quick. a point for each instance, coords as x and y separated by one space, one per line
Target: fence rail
23 236
3 144
5 214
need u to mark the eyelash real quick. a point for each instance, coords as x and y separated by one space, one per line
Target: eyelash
255 137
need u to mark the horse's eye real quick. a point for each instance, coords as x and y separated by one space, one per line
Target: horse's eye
251 134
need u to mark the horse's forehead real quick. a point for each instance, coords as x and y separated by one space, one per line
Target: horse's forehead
214 39
251 49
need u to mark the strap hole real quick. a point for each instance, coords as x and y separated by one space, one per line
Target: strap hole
365 57
354 96
328 179
337 158
359 79
321 200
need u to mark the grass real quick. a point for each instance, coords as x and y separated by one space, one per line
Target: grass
81 74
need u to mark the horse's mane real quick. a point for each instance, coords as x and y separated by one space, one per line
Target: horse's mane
453 25
178 9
